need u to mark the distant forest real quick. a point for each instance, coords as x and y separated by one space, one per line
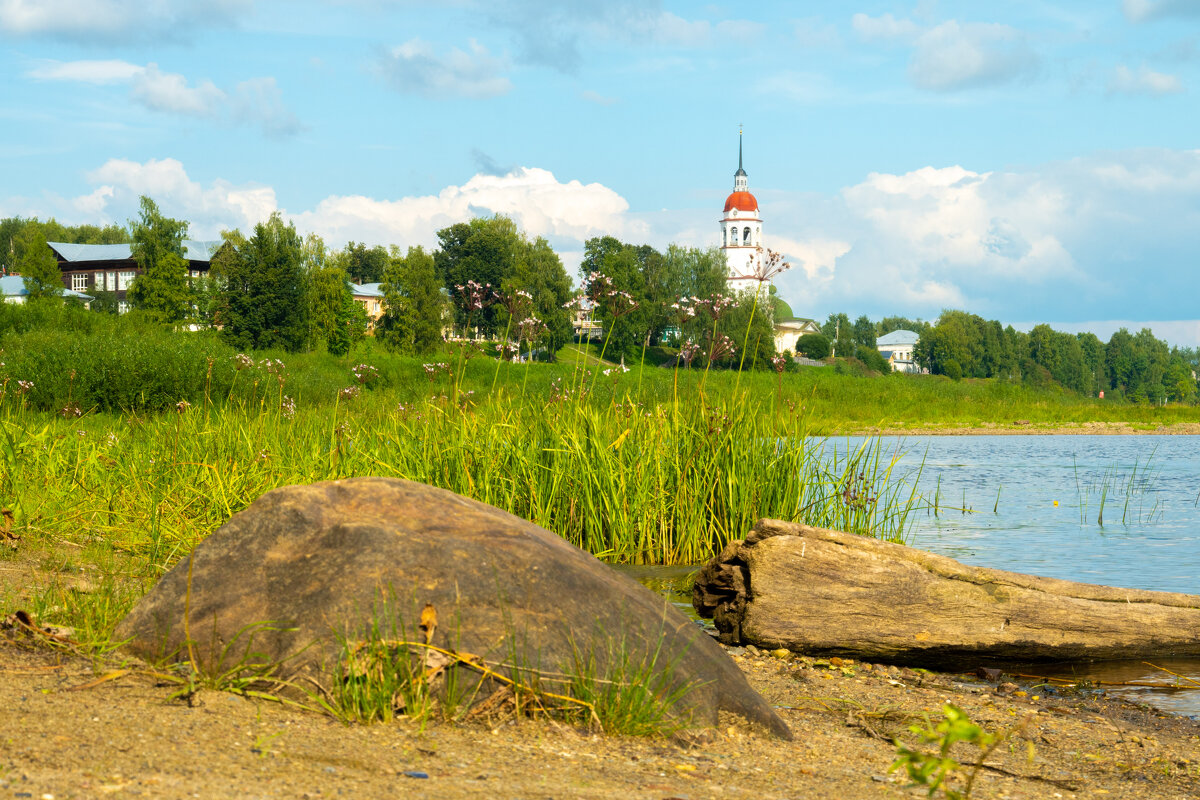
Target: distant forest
1133 366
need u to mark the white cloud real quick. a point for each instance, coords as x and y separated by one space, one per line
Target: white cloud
209 208
539 202
815 258
1143 81
115 20
884 27
1144 10
415 67
169 92
563 211
957 55
256 101
94 72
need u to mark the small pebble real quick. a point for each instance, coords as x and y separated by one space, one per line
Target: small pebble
414 774
782 652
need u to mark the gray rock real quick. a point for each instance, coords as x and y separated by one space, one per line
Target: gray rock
322 563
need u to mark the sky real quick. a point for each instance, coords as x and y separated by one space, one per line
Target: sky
1025 161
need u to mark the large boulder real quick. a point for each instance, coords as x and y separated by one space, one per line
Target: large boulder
321 563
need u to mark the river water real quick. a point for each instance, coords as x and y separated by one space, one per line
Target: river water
1116 510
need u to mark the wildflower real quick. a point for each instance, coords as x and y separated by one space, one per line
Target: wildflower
82 433
365 373
24 387
272 365
110 440
721 348
182 406
242 361
287 407
349 393
688 352
343 430
768 265
779 362
71 410
263 456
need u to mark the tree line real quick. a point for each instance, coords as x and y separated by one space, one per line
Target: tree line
274 288
1133 366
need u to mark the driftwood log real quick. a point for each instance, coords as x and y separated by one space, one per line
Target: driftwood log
827 593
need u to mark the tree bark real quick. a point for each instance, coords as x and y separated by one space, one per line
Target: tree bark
827 593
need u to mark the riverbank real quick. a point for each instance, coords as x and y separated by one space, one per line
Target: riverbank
1028 428
125 737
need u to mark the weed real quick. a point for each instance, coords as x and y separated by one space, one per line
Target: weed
933 769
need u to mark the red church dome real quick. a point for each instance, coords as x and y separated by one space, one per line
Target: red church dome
742 201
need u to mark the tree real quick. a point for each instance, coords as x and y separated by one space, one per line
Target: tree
864 332
328 316
36 263
363 264
413 319
889 324
484 251
263 294
158 249
840 333
539 271
813 345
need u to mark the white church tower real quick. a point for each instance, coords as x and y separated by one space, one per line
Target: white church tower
741 229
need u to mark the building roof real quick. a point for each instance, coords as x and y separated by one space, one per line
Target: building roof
14 286
193 250
367 290
742 201
896 338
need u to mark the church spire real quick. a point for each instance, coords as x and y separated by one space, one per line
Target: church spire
740 181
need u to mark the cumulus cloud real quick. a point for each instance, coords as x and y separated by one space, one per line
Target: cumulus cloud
884 27
957 55
534 198
415 67
169 92
1143 81
1143 10
115 20
566 212
256 101
209 208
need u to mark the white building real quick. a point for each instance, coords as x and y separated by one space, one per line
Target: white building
898 347
741 230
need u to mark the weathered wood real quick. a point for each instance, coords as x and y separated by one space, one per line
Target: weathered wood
823 592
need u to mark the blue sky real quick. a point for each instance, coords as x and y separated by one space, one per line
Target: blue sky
1026 161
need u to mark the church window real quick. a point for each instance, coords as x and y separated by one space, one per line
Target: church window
746 235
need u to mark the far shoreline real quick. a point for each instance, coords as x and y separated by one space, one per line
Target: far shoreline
1041 429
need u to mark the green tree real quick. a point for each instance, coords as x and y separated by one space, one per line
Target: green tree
329 294
415 306
840 333
363 264
889 324
263 294
37 265
864 332
484 251
157 247
539 271
813 345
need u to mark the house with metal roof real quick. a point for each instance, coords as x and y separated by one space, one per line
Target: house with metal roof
112 268
898 348
370 297
12 290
